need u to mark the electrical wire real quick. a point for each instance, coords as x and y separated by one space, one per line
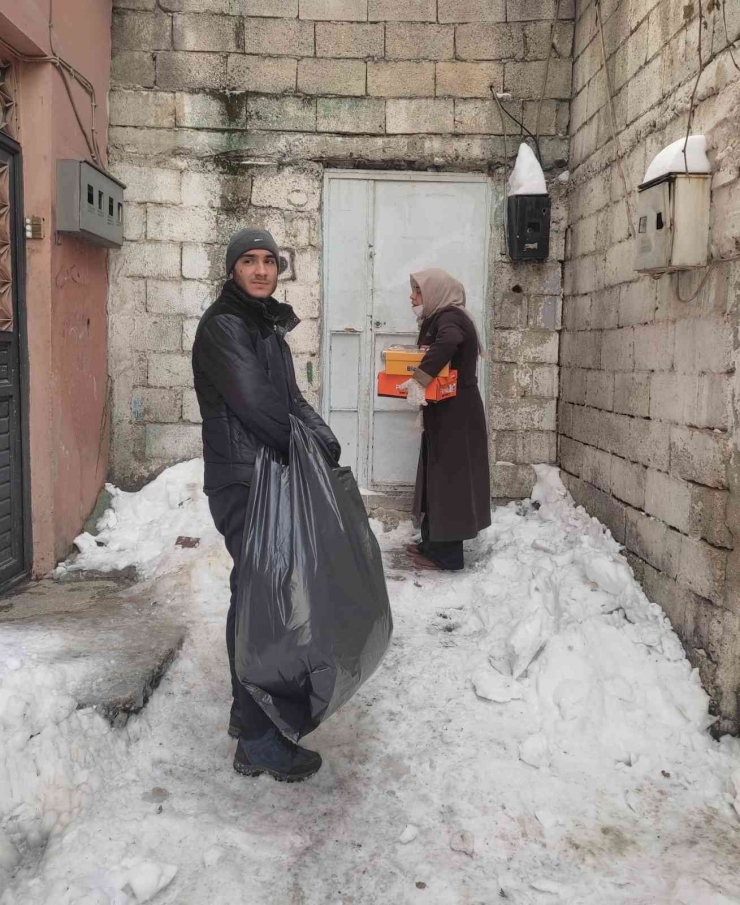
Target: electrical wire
696 86
506 165
547 74
709 267
615 138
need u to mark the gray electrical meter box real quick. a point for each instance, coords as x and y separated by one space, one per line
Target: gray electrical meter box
89 203
673 223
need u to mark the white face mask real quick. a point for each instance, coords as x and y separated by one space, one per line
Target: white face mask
418 311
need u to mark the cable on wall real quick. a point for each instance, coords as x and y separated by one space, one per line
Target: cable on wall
553 27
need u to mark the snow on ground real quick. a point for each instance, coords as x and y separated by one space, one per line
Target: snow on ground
535 735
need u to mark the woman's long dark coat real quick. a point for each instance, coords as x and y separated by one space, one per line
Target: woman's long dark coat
453 486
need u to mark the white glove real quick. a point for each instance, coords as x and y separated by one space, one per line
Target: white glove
416 393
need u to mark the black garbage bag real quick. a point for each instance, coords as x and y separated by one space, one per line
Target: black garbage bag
313 615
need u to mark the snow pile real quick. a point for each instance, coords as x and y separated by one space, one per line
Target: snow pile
140 529
535 732
527 177
673 160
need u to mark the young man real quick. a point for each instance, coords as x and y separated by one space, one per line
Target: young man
246 388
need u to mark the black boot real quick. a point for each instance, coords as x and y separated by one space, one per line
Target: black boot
276 755
236 723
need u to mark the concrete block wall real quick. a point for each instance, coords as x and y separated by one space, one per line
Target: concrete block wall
648 411
226 113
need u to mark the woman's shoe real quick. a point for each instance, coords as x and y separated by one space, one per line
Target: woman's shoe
422 563
277 756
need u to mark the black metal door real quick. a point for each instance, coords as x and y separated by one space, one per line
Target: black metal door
14 528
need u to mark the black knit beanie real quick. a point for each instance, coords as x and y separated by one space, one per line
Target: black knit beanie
247 240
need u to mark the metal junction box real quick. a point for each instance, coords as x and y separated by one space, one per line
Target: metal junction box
89 203
528 227
673 223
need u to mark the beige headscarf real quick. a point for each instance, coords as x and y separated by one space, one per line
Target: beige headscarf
440 290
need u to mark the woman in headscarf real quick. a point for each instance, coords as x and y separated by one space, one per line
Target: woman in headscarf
453 497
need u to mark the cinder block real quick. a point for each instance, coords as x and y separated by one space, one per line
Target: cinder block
650 443
153 184
264 75
407 41
156 405
126 297
713 402
467 79
135 4
304 299
700 456
291 188
544 312
545 381
351 115
180 224
653 541
587 425
618 349
226 110
510 380
278 9
132 69
289 114
184 297
573 385
279 37
591 349
615 435
632 393
600 390
141 31
703 568
478 117
204 32
668 499
531 279
134 226
596 467
305 339
180 71
203 262
408 11
637 303
703 345
189 329
525 447
531 10
190 407
409 116
215 190
407 79
336 10
142 108
538 35
151 259
524 80
571 456
539 346
708 515
525 414
170 369
490 42
511 481
349 40
672 395
628 482
171 443
471 10
344 77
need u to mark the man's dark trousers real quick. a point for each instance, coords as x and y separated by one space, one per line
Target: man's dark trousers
229 510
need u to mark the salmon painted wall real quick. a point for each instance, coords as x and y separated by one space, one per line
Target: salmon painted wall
66 285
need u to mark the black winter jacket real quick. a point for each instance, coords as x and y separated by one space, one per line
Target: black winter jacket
246 386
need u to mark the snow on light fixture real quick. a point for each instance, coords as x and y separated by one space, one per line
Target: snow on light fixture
673 209
528 208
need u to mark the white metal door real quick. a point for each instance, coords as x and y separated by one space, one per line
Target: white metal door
379 228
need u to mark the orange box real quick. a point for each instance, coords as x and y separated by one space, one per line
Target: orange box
406 359
439 389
